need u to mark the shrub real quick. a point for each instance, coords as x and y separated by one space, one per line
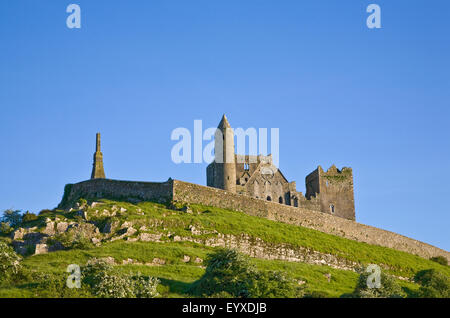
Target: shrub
222 294
144 286
9 261
28 217
111 285
317 294
5 228
439 259
66 239
6 240
45 211
230 273
105 281
81 203
52 285
389 287
71 240
81 242
274 284
433 283
12 217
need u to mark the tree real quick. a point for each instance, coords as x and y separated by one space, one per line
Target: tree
230 274
433 283
11 217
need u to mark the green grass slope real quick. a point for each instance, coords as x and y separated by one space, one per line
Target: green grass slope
177 274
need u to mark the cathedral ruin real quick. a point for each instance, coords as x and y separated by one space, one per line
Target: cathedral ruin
326 191
254 186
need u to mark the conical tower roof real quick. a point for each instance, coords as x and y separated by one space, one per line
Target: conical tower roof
224 123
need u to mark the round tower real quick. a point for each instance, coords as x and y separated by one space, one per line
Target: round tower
224 156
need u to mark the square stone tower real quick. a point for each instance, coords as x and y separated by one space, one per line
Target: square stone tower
333 189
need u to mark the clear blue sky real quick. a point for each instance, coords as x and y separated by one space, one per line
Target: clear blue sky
375 100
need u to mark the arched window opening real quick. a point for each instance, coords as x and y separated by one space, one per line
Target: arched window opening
280 200
269 198
332 208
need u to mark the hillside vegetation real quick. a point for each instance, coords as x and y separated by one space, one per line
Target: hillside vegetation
172 243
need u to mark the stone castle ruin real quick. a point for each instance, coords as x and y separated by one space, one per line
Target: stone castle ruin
253 185
256 176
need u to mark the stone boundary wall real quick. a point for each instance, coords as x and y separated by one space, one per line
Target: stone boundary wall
116 190
193 193
196 194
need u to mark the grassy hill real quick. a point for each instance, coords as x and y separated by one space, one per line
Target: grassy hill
172 242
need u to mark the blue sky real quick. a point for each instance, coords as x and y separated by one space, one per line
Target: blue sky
375 100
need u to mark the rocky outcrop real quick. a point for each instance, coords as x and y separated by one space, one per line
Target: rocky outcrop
31 241
110 227
149 237
88 230
41 249
254 247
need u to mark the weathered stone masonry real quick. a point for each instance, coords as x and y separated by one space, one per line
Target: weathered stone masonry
328 191
179 191
116 190
97 167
